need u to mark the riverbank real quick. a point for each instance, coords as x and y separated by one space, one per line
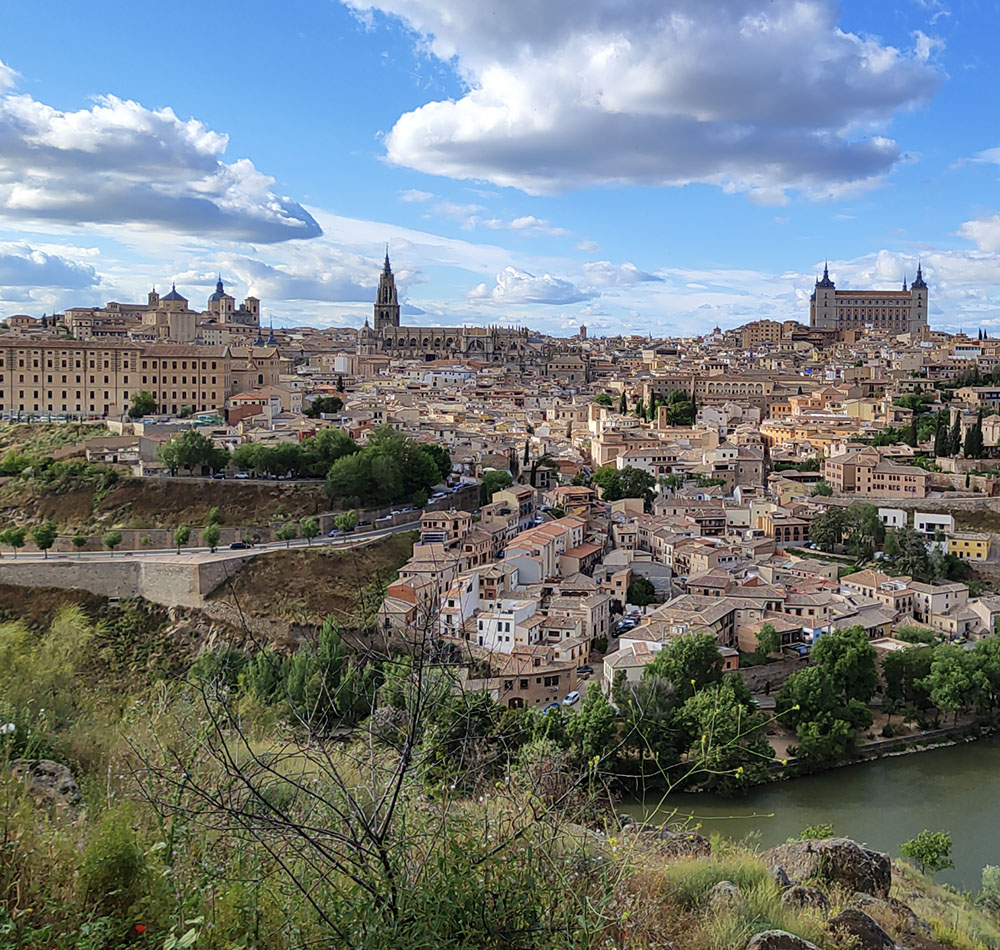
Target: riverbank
953 787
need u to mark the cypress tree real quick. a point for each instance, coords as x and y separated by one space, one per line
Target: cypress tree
955 442
623 404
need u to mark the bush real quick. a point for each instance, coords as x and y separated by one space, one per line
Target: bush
989 893
687 881
113 873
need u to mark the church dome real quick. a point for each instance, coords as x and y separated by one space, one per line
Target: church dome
173 295
219 292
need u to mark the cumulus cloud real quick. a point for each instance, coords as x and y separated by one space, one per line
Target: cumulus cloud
8 78
519 287
24 266
754 96
606 274
120 163
983 232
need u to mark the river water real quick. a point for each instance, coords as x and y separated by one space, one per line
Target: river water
881 803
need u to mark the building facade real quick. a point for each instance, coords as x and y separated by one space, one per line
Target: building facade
898 311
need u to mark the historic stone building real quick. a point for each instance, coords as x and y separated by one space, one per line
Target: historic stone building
388 338
898 311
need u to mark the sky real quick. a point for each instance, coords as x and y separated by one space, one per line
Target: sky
650 166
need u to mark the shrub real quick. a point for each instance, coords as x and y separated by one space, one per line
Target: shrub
687 881
113 872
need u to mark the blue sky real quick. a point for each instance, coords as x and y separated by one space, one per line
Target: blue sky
658 166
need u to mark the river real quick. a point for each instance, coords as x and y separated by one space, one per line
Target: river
881 803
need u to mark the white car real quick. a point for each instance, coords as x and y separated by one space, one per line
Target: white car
572 698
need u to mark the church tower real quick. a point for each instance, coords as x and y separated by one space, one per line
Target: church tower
386 303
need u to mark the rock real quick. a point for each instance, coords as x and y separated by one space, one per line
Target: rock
891 908
48 780
866 931
806 897
724 895
834 861
779 940
671 844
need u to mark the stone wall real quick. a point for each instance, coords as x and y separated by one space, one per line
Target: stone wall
758 678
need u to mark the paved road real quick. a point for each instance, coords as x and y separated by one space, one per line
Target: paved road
223 553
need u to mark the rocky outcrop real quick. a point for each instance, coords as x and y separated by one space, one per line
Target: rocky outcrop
724 895
779 940
806 898
867 933
834 861
48 781
892 912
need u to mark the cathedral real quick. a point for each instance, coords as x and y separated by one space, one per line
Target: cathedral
388 338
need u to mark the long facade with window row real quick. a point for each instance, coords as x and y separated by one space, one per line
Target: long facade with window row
98 378
897 311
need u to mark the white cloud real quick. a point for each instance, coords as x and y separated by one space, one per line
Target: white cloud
24 266
415 195
587 246
8 77
606 274
120 163
754 96
516 286
525 224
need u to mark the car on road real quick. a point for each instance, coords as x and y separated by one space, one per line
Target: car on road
219 475
550 706
238 546
571 698
383 518
365 524
584 670
242 475
335 533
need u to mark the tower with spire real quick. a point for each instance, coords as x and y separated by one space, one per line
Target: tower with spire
386 301
892 311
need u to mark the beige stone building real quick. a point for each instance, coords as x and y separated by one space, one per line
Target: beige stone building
863 471
898 311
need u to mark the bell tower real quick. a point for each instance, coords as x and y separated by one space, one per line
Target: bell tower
386 302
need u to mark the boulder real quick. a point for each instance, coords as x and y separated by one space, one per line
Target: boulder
834 861
891 908
779 940
802 897
48 781
724 895
668 843
867 933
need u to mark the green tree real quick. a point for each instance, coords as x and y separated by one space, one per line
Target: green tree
730 752
308 528
346 521
322 405
864 531
950 682
215 515
955 441
340 383
603 399
623 404
111 540
847 659
80 541
592 730
690 662
826 530
768 641
823 488
492 482
210 537
44 535
930 849
320 451
142 404
14 537
191 450
182 534
654 724
973 448
440 456
641 592
287 533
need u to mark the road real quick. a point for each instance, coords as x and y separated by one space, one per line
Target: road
223 553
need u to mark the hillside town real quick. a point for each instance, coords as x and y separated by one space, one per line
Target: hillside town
605 495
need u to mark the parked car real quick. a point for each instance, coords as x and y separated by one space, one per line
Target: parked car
219 475
573 697
550 707
336 532
239 546
383 518
365 524
584 670
242 475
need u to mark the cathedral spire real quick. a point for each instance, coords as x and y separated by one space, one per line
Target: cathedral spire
386 269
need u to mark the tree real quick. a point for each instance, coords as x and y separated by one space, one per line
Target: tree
215 515
44 536
603 399
864 531
440 456
930 849
826 530
847 659
689 663
13 537
910 438
111 540
592 728
973 448
210 537
192 450
950 682
142 404
768 641
492 482
287 533
527 452
730 745
340 383
309 528
182 534
346 521
623 404
80 541
955 442
942 442
641 592
823 488
322 405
